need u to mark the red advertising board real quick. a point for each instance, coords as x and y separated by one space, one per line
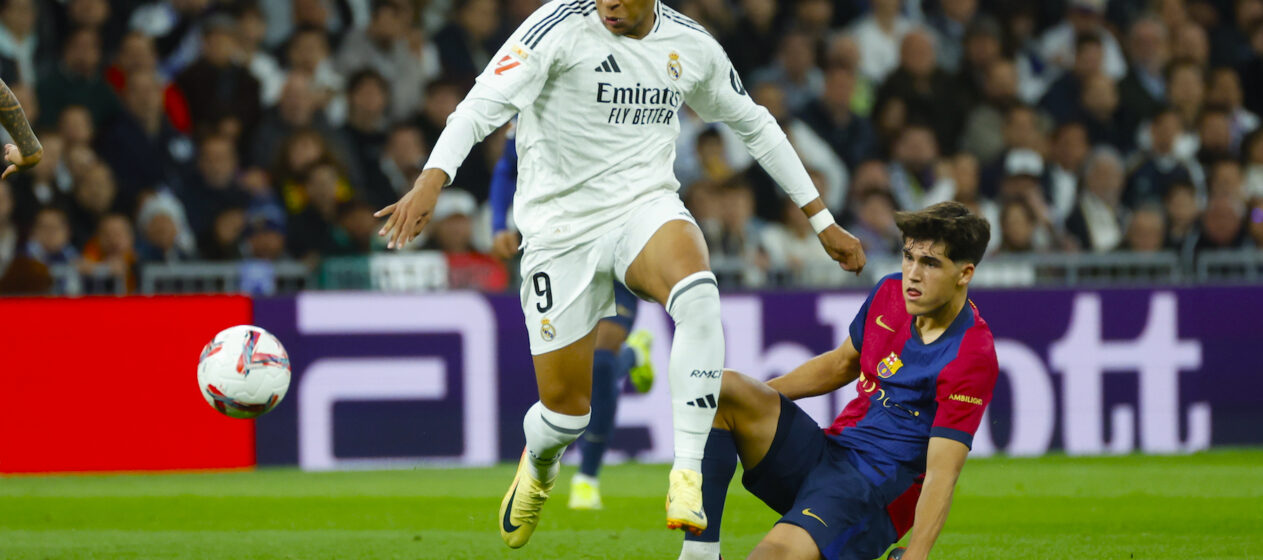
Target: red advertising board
108 384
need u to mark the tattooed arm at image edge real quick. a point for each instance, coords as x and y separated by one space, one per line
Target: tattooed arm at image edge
13 118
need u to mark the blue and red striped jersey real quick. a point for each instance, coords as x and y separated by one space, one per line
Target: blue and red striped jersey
910 391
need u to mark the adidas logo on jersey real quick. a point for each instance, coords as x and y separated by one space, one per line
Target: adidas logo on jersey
609 65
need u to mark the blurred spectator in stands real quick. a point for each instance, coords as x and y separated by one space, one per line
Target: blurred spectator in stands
8 229
264 232
307 53
1223 177
358 228
914 178
222 241
441 98
931 95
1232 44
736 235
164 233
794 70
1251 155
1097 220
47 184
965 179
1018 225
175 26
1180 204
144 150
469 39
298 110
136 55
1255 222
1146 229
1185 91
97 16
1059 44
1023 130
983 133
1098 111
49 240
368 100
950 23
1214 136
214 186
813 17
751 43
982 49
1224 91
77 80
451 231
76 127
1250 71
1222 225
1189 44
880 34
1069 150
218 88
110 256
400 163
812 149
310 233
383 46
19 41
874 223
1142 93
1064 97
95 196
712 161
252 28
1157 167
299 153
831 117
1023 180
1020 38
842 50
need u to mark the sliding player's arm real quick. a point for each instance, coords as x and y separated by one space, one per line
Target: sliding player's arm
26 151
822 374
964 389
512 80
944 461
720 97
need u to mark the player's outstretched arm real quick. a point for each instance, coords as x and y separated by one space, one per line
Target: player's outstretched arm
944 460
26 151
822 374
405 219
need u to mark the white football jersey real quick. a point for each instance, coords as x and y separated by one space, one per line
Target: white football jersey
599 113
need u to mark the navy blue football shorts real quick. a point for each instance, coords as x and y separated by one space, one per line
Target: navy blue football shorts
625 303
827 489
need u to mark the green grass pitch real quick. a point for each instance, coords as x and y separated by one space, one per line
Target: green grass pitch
1202 506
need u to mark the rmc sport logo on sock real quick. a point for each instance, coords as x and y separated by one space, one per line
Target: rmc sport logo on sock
707 373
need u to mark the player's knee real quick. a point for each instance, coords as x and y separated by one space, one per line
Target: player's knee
695 301
565 399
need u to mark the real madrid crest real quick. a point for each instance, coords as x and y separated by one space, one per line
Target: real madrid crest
547 331
674 69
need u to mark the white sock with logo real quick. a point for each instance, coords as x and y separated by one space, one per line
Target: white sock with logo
698 550
547 435
697 362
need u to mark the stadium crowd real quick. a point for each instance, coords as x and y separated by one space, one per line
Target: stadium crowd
204 130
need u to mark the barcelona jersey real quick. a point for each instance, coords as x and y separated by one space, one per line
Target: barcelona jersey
910 390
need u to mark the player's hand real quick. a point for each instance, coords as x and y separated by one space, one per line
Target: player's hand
843 247
410 215
505 243
18 162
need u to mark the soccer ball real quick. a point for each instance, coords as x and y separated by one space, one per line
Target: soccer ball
243 371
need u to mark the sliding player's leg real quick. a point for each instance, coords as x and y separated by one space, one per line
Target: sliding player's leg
671 266
607 382
565 292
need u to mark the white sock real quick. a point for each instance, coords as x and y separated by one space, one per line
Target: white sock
547 435
698 550
697 362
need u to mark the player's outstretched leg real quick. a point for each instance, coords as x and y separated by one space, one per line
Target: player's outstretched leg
607 380
718 466
565 382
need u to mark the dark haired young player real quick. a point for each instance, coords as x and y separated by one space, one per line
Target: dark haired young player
925 365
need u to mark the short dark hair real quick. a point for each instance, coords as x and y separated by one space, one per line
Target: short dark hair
964 233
